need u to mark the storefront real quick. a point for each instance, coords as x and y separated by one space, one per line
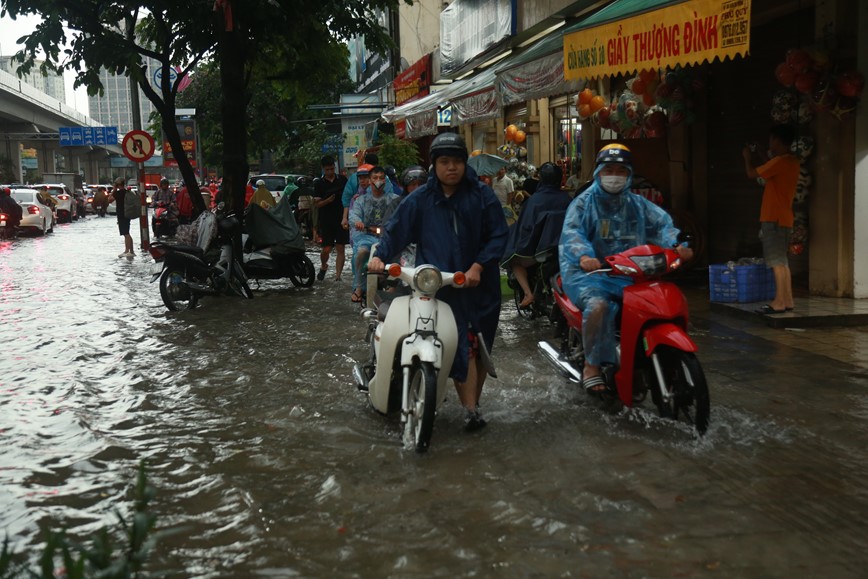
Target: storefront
678 86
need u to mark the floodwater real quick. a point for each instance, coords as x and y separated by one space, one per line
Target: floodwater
272 464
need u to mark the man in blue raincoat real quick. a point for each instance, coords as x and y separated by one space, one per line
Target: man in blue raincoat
457 224
604 220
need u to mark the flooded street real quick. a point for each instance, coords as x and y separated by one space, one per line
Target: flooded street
262 449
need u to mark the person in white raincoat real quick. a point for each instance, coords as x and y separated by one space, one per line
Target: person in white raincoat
604 220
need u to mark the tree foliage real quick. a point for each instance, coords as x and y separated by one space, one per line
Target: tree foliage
398 153
291 38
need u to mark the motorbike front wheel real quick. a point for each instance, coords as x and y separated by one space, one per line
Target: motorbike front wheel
175 291
303 273
422 400
687 387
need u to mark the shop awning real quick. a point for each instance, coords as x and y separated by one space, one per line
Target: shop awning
537 72
631 35
475 99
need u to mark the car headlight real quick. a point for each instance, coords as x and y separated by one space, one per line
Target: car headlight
428 280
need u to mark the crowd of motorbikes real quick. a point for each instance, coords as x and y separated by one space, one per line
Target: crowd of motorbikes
412 336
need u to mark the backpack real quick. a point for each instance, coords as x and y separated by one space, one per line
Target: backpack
132 205
185 206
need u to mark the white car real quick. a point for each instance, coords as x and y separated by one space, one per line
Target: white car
66 209
35 215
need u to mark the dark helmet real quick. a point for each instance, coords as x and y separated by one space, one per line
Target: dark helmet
614 153
450 144
303 181
550 174
414 174
391 173
164 181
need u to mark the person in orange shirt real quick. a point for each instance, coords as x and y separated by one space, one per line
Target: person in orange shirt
781 175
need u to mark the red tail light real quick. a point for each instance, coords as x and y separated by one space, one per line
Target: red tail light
32 209
4 217
157 252
63 197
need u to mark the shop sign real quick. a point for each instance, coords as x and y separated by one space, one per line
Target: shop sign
444 117
187 131
413 83
401 129
687 33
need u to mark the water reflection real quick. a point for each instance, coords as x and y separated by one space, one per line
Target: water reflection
275 465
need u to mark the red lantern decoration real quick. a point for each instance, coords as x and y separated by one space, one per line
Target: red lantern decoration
585 97
806 82
510 132
597 103
638 86
785 74
799 60
850 84
520 136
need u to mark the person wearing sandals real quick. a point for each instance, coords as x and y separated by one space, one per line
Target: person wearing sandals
604 220
457 224
781 176
327 193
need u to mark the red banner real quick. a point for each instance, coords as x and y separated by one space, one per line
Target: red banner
414 82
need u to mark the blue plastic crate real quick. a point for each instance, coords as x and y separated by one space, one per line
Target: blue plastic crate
741 283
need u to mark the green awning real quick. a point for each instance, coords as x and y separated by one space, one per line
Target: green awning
619 10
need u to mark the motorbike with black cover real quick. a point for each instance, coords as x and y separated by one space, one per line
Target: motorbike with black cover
274 247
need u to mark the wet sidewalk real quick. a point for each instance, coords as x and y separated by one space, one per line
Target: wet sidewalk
833 327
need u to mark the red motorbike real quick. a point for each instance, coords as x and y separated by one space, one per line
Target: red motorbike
654 350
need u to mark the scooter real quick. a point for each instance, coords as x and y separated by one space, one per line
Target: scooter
655 351
7 229
412 341
268 263
162 222
189 272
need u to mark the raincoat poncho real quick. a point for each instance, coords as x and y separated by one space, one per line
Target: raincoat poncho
599 224
372 212
452 233
529 235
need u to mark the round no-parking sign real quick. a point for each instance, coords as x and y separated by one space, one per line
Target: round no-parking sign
138 146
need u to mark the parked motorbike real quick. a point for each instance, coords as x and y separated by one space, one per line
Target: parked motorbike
274 247
189 272
270 263
163 223
655 351
412 341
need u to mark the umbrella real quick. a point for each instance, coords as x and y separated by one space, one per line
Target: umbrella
485 164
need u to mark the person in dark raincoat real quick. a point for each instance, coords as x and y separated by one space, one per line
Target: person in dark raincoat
607 218
529 236
457 224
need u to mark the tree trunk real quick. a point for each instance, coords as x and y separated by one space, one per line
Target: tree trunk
232 54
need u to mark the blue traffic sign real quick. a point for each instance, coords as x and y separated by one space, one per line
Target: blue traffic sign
81 136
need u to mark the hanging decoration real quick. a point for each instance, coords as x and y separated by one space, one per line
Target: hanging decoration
513 148
817 84
652 102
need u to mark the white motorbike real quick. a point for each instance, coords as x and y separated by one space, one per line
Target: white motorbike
413 339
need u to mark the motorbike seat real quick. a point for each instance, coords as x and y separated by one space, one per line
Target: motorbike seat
191 249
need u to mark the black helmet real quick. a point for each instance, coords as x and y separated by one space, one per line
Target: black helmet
390 172
303 181
614 153
164 181
550 174
414 174
450 144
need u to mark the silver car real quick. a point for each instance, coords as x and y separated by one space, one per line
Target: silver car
35 215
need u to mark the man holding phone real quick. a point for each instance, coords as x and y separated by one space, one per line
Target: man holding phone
327 193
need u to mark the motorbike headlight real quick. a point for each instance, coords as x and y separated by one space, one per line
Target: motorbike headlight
428 280
650 264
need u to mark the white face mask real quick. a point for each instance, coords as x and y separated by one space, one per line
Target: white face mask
378 184
613 183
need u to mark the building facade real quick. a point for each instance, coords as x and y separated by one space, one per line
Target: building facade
51 83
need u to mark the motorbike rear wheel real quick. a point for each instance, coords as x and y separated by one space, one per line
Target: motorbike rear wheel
687 386
422 399
175 291
303 274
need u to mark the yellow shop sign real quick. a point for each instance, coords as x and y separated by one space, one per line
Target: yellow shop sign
688 33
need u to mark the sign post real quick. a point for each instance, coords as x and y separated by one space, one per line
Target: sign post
138 146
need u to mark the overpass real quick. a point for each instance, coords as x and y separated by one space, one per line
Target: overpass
30 119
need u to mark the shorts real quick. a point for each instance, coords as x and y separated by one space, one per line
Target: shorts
776 242
124 225
332 234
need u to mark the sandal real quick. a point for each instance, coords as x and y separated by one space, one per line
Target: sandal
356 297
767 309
595 385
